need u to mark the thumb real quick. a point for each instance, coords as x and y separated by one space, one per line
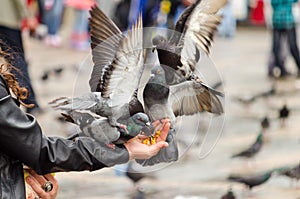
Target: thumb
162 144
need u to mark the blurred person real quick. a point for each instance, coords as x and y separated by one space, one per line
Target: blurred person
284 28
52 11
23 143
227 28
12 13
257 16
80 38
127 11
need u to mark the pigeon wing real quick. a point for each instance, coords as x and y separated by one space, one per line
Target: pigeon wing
195 29
122 77
95 127
105 39
84 102
189 97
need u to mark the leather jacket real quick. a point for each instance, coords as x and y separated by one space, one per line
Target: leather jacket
22 142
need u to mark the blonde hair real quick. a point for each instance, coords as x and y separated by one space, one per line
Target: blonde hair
5 70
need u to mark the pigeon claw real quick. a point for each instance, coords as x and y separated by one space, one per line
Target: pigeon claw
112 146
123 126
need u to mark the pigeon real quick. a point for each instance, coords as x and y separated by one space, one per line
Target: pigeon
193 32
252 181
170 101
98 128
293 173
283 114
118 66
178 55
265 123
228 195
253 149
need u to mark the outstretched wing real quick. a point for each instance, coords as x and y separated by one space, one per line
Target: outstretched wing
105 39
190 97
122 77
195 29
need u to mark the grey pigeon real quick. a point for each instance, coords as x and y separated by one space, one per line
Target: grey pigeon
251 181
179 55
118 66
98 127
293 173
229 195
193 32
251 150
169 101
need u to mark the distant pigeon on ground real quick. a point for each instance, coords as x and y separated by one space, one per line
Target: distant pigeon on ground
251 181
265 123
283 114
293 173
229 195
253 149
45 76
98 127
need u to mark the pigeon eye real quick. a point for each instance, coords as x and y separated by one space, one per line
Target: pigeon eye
158 71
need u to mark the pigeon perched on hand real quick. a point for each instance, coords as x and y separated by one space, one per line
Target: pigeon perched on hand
98 127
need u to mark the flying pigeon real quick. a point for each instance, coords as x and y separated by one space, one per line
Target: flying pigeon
98 127
253 149
251 181
118 66
178 56
170 101
193 32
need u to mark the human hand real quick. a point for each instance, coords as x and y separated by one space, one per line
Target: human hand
138 150
37 181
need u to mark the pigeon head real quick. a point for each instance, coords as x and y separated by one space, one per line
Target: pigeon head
140 123
158 41
157 75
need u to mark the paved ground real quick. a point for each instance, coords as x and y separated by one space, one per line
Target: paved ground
241 63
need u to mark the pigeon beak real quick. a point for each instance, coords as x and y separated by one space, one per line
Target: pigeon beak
152 75
148 124
153 48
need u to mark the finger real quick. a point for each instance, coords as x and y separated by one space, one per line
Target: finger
52 179
165 131
35 185
154 149
37 177
142 137
159 122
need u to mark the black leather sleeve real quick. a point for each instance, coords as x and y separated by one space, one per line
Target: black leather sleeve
21 138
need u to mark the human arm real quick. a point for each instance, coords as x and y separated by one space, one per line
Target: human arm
22 139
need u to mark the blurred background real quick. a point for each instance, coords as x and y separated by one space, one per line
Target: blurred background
255 120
